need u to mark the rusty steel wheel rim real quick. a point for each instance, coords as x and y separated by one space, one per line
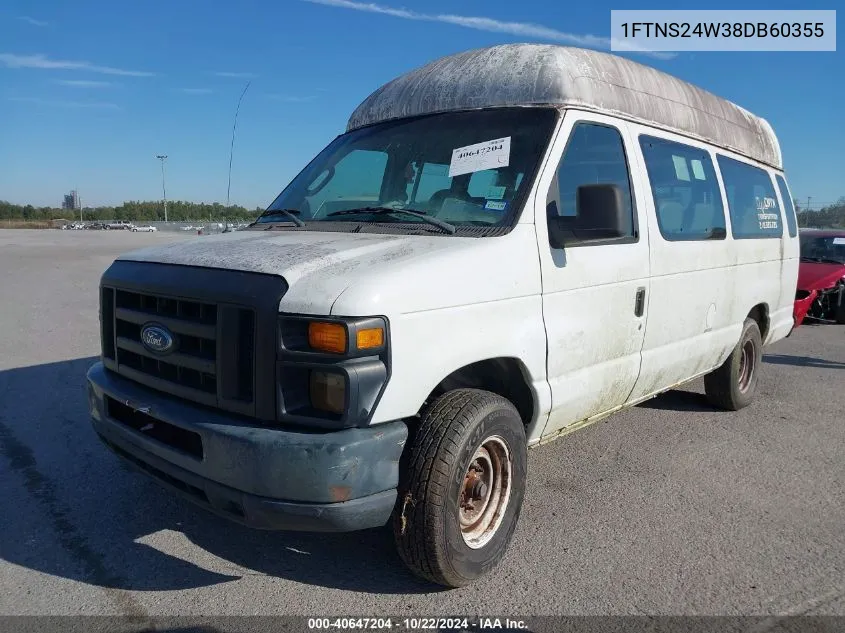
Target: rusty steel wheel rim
485 493
746 365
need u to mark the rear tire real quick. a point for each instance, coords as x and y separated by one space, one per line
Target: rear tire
733 384
461 491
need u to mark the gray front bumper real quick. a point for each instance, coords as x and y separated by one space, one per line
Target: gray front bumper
264 477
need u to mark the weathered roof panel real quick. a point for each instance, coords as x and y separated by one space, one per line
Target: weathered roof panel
539 74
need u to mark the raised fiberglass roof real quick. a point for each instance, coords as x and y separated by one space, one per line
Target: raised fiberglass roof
538 74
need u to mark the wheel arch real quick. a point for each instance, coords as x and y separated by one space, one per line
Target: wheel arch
504 375
760 314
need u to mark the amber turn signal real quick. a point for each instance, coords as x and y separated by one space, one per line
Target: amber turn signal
370 338
327 337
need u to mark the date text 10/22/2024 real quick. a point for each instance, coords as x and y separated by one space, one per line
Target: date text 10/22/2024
417 624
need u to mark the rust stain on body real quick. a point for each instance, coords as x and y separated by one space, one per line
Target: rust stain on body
340 493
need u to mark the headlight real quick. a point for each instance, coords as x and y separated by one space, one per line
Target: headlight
331 371
328 391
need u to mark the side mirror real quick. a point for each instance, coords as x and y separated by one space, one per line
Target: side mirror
600 215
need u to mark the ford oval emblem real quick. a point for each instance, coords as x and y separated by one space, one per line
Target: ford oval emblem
157 338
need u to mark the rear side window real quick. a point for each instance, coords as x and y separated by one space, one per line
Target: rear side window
752 201
686 193
788 207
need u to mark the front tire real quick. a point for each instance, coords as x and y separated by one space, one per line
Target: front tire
733 384
461 492
839 309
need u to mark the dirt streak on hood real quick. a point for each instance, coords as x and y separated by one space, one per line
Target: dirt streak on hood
317 266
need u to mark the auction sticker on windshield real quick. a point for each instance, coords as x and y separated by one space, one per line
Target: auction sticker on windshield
480 156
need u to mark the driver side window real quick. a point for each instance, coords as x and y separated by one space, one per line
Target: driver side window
594 155
356 182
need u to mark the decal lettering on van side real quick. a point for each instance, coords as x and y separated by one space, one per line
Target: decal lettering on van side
767 220
766 203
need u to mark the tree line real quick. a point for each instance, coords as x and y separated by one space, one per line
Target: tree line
132 211
832 216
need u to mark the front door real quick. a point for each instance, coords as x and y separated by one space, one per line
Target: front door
595 294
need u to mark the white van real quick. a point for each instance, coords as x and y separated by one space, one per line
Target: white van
504 246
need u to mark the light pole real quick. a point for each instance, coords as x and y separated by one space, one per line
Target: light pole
162 158
232 146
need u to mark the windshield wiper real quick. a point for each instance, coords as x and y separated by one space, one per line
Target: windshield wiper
449 228
290 214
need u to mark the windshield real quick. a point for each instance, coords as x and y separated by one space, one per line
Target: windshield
823 249
470 168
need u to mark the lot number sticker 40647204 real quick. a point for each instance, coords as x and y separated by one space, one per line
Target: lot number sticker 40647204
481 156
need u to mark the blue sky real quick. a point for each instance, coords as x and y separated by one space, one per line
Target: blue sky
91 91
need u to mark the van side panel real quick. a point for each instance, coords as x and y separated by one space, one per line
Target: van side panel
767 269
690 326
703 289
783 318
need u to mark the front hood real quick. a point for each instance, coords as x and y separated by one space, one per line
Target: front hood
817 276
319 266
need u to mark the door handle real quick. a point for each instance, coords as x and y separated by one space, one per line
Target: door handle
639 303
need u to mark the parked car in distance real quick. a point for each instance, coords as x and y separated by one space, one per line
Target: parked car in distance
821 276
503 247
120 225
144 229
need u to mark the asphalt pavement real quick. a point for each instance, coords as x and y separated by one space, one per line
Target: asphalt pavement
671 507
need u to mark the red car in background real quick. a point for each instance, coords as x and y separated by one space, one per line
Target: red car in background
821 276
